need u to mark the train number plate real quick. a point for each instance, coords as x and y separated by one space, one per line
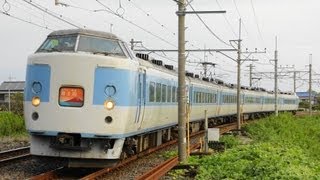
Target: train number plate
71 96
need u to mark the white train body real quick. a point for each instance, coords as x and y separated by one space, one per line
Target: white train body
114 97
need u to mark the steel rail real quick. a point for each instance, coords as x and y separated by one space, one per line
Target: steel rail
48 175
55 174
160 170
165 167
131 159
14 154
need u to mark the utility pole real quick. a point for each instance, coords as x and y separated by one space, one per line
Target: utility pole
310 84
294 81
250 74
9 92
239 62
133 42
205 67
182 141
181 82
276 78
238 79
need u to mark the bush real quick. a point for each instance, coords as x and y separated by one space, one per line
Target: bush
230 141
11 124
284 147
17 103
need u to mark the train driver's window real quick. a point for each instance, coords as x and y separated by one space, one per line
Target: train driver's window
103 46
58 44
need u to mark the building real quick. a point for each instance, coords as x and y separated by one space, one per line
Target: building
10 87
304 96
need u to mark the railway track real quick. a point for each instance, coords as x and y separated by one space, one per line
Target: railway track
66 173
154 173
166 166
14 155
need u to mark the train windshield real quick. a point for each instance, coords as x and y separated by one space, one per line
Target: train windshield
102 46
59 44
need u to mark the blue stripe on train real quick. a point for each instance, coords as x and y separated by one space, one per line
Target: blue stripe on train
125 82
38 73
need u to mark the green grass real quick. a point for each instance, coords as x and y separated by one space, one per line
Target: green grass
11 125
284 147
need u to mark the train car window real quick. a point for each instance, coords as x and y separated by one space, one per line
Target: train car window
169 94
163 93
174 93
158 92
152 92
1 97
96 45
58 44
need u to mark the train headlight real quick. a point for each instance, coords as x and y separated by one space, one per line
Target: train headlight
36 101
109 104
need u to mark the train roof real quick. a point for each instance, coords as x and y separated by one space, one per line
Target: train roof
84 32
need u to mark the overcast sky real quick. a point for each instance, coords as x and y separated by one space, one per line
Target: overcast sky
295 22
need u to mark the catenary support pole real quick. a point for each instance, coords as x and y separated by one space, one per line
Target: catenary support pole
181 83
276 78
206 139
294 81
238 79
250 74
310 84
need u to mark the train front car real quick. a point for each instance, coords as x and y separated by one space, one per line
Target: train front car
80 91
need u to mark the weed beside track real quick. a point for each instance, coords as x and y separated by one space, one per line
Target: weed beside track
284 147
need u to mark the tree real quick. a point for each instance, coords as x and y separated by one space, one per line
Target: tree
17 103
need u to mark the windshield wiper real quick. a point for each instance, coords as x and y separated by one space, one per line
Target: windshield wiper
101 52
50 50
54 49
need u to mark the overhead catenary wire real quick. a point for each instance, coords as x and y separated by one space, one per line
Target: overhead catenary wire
60 17
151 16
207 27
23 20
226 19
239 14
109 10
34 13
256 22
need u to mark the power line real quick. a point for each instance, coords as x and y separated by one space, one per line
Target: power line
20 19
51 13
256 22
138 26
150 16
228 22
37 15
235 4
208 28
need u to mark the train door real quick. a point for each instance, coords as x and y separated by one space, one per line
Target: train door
141 96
